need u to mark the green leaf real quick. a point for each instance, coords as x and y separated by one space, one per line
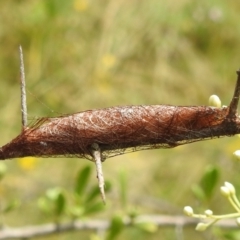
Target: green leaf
94 208
11 206
198 192
76 211
116 226
209 181
44 205
54 201
93 194
82 180
133 213
53 193
3 170
108 186
147 227
123 187
95 236
60 204
230 235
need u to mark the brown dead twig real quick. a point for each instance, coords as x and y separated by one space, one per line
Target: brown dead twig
102 133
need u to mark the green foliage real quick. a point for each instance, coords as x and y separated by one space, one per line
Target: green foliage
3 170
10 206
116 227
208 183
82 201
82 180
147 227
123 188
231 235
209 180
53 202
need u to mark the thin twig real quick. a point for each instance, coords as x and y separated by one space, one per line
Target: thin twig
103 225
97 156
234 103
23 90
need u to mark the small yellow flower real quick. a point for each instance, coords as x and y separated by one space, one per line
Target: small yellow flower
27 163
80 5
108 61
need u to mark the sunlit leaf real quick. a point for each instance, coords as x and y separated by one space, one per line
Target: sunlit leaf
76 211
198 192
147 227
3 170
93 194
94 208
95 236
123 187
12 205
82 180
44 205
108 186
60 204
53 193
116 226
209 181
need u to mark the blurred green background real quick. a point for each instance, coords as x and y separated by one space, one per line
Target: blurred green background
85 54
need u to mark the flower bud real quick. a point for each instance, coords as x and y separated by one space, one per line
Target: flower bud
237 154
215 101
188 211
208 213
238 221
201 227
230 187
225 191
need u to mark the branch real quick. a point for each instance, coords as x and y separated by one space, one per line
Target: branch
235 99
97 156
103 225
23 90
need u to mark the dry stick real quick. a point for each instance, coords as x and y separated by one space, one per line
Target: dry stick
23 91
234 102
97 156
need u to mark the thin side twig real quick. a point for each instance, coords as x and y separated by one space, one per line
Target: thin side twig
97 156
23 90
235 99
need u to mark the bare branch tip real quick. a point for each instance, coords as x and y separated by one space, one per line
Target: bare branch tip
235 99
23 90
97 156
